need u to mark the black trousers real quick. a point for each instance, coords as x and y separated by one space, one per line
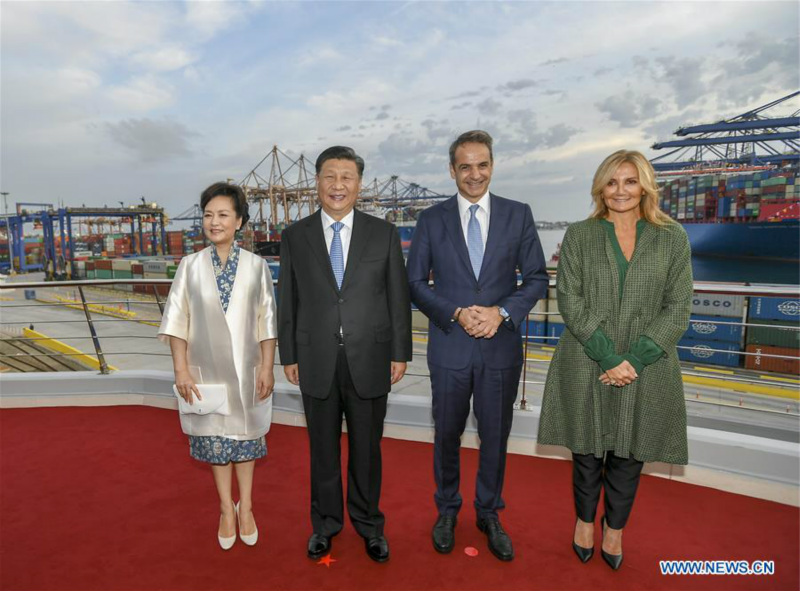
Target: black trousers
364 431
493 392
618 477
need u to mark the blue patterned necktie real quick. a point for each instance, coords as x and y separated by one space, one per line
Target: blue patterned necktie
337 253
475 241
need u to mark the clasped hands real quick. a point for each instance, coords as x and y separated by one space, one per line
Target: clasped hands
619 376
480 322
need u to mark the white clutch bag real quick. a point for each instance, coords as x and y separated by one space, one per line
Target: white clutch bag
215 401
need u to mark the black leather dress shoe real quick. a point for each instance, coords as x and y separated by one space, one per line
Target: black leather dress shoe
499 542
318 546
444 534
377 548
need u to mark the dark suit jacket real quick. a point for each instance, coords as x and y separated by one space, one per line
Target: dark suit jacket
373 306
439 246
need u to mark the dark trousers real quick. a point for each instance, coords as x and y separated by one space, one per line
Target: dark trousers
364 431
618 477
493 392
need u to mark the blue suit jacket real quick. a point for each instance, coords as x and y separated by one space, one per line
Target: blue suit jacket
438 247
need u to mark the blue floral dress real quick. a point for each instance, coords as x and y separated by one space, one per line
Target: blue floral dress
217 449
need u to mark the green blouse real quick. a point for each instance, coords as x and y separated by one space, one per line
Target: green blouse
599 347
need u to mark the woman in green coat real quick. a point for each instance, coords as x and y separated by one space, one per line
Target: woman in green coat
614 393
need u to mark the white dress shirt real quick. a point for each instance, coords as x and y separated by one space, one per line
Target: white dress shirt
482 215
345 233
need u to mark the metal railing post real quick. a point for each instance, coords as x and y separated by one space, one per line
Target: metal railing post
158 300
95 341
523 403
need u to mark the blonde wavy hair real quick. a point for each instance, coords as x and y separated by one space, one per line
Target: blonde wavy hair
648 207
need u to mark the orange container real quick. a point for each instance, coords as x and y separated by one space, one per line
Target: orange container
759 362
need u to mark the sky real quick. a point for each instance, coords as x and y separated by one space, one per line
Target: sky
106 102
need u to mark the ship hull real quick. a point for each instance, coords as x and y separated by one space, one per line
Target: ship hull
764 240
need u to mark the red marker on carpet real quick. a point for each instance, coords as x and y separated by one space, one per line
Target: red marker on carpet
326 560
470 551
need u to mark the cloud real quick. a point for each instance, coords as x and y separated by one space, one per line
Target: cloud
761 68
344 128
685 76
516 85
628 109
558 135
466 94
489 106
165 59
463 105
152 141
143 93
602 71
208 17
553 62
381 116
319 55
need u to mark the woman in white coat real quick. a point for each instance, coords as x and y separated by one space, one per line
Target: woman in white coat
220 323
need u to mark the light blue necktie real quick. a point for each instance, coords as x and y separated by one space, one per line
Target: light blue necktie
475 241
337 253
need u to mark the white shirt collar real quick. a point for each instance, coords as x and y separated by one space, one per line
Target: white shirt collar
346 220
464 204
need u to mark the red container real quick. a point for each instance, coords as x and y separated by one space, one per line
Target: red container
761 363
137 268
103 264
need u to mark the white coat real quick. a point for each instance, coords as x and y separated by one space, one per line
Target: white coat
224 348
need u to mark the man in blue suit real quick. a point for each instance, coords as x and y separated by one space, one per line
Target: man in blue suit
473 244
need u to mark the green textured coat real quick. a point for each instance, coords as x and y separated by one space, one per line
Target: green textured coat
647 419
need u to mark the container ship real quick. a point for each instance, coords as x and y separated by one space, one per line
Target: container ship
744 204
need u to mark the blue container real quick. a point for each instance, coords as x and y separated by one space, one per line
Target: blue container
536 331
554 329
30 294
774 308
701 352
709 330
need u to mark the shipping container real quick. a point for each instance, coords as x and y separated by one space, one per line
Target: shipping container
536 331
772 308
759 362
775 333
714 304
713 328
709 352
554 329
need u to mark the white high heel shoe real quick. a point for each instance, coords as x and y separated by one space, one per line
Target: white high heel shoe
249 539
227 543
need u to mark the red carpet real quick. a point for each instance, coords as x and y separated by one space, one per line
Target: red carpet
108 498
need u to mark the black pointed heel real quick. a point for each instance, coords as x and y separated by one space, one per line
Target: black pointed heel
584 554
612 560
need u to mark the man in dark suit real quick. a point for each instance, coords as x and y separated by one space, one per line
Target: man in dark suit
344 328
474 244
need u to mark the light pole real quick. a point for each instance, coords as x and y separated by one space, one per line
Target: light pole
8 232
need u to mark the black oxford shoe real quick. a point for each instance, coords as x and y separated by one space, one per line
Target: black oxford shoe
499 542
377 548
318 546
444 534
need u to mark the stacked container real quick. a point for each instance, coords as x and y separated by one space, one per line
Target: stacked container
555 322
770 314
737 197
537 323
708 340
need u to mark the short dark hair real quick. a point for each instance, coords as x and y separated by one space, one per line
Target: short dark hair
235 192
340 153
476 136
